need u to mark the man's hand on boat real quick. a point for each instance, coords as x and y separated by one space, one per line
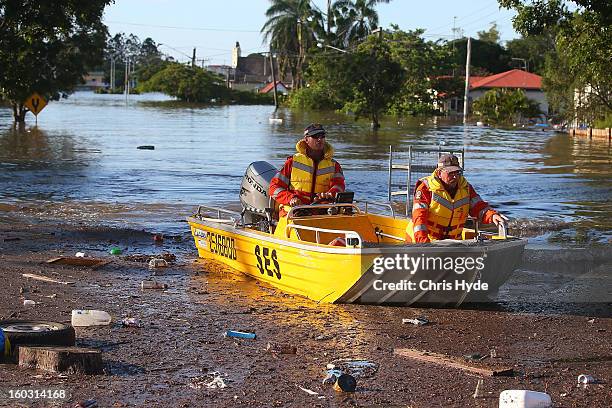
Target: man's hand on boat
497 219
324 197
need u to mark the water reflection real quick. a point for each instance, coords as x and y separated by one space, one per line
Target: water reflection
84 152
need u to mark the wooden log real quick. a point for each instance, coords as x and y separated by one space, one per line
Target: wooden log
453 362
60 359
45 279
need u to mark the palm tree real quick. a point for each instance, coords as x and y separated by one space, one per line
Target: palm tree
291 29
355 19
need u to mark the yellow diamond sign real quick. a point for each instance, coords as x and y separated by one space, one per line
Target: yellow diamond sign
35 103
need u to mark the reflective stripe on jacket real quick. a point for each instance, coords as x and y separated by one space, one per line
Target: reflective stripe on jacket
302 177
437 215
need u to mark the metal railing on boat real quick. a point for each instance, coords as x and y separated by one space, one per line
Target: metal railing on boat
219 211
353 239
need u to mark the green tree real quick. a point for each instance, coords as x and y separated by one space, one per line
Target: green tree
576 79
505 106
291 30
487 57
187 83
376 79
46 46
355 20
491 35
533 49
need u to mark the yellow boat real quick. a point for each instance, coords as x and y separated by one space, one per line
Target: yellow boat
345 253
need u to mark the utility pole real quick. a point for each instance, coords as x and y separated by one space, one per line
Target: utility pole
126 84
467 80
112 74
193 58
273 80
229 69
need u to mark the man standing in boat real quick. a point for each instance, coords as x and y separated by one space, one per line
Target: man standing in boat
309 175
443 201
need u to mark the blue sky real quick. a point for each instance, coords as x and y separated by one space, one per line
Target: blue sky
213 26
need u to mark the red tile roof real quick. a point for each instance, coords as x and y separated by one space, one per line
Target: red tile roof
515 78
269 87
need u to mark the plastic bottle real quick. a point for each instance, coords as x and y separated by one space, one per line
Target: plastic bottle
151 284
524 399
85 318
29 303
239 334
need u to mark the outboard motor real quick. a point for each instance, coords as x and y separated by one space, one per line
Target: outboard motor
254 194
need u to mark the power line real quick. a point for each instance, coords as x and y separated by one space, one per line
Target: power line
184 28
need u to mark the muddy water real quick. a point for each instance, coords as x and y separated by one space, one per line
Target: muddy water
81 164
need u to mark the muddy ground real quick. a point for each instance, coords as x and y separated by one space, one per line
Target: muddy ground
168 361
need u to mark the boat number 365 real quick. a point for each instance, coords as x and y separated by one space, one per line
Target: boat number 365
265 259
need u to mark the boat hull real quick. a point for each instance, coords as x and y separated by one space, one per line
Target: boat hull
330 274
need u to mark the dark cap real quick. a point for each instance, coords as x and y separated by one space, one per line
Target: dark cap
313 129
449 162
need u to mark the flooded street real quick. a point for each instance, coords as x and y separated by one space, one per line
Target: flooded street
82 162
77 182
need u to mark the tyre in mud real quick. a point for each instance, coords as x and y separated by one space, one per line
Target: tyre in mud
36 333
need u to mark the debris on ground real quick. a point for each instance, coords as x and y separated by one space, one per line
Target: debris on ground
345 383
356 368
524 399
130 322
61 359
478 393
157 263
85 318
418 321
92 263
281 348
29 303
90 403
587 379
310 392
239 334
453 362
44 279
115 251
210 380
151 284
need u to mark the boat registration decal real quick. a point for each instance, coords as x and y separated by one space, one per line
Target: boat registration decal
265 258
222 245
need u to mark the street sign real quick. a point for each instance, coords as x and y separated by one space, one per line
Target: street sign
35 103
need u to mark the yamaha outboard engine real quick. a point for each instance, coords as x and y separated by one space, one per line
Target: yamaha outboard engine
254 194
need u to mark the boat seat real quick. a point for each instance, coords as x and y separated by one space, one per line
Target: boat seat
360 223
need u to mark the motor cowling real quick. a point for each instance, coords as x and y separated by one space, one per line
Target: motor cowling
254 192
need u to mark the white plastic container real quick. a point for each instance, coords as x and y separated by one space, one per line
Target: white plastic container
84 318
524 399
29 303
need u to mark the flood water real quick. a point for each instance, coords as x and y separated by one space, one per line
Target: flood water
82 163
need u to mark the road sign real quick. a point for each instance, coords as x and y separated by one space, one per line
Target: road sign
35 103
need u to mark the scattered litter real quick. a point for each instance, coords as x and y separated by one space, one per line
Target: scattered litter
158 238
453 362
281 348
591 320
151 284
276 120
524 399
493 353
146 147
239 334
93 263
90 318
310 392
331 376
53 296
115 251
130 322
45 279
586 379
157 263
331 366
29 303
345 383
419 321
80 254
475 357
90 403
210 380
478 392
356 368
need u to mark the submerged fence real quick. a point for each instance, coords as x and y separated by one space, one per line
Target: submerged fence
592 133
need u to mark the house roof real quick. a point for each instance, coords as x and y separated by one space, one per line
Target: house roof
269 86
514 78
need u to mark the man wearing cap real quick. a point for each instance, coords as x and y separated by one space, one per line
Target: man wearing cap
443 201
309 175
